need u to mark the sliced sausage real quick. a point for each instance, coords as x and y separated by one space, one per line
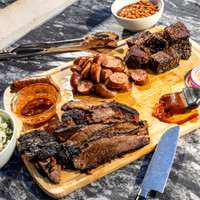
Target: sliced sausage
75 80
86 71
127 87
76 68
105 73
129 76
140 77
114 64
95 72
21 83
104 92
89 60
117 80
81 60
85 87
99 58
76 61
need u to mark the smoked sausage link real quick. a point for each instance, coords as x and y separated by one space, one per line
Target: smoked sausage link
24 82
95 72
104 92
140 77
85 87
75 80
117 80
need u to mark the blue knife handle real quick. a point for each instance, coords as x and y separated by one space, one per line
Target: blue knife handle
138 197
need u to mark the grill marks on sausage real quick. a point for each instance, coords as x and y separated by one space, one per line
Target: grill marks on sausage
24 82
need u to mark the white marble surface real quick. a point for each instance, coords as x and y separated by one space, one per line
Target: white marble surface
78 20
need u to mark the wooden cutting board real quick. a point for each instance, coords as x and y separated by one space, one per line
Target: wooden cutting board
142 98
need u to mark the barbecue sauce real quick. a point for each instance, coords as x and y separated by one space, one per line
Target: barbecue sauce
36 106
171 109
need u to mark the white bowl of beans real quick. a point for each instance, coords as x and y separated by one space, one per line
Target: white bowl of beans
136 15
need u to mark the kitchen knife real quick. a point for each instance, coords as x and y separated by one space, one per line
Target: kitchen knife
160 165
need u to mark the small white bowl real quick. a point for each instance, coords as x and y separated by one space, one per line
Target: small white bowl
136 24
6 153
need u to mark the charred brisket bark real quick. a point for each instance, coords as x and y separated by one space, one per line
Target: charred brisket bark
176 32
138 39
74 116
64 133
38 145
50 168
102 150
136 58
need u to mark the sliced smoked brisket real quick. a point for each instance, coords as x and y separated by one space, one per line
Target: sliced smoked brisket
38 145
50 168
103 149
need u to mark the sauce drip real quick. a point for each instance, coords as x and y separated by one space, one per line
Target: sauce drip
36 106
171 109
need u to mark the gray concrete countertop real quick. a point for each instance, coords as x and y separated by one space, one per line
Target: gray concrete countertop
80 19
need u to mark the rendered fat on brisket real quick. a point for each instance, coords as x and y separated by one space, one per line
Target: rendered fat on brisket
84 105
102 150
50 168
176 32
163 61
136 58
124 128
38 145
116 112
138 39
66 132
85 132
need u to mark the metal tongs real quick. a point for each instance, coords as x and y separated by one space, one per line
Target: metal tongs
95 41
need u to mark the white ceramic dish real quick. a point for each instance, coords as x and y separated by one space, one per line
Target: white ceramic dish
7 152
136 24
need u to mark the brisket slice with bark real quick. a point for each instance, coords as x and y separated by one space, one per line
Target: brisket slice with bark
85 132
113 112
104 149
38 145
64 133
124 128
74 116
50 168
83 105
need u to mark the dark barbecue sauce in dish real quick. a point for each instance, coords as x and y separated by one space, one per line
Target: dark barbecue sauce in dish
36 106
171 109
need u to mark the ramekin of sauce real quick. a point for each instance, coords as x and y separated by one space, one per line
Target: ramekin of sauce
35 104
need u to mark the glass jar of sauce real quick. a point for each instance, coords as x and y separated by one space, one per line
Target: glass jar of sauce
35 104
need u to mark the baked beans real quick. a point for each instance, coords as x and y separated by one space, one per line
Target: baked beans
138 10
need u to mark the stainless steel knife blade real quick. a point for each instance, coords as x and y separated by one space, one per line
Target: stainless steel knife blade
160 164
